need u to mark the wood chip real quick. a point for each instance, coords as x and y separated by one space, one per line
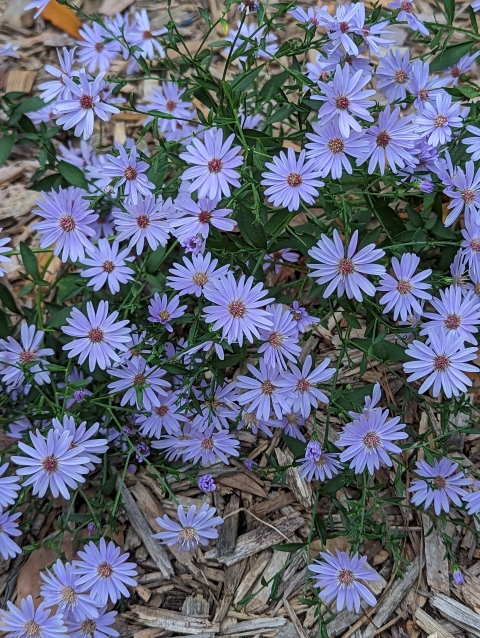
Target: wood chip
250 578
300 487
277 561
112 7
171 620
457 613
294 618
244 483
429 625
436 563
20 81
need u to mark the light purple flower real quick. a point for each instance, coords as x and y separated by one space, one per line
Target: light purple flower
457 270
3 250
446 171
470 246
438 119
83 437
8 487
289 180
291 424
281 340
439 484
209 447
245 34
142 36
27 622
195 218
131 172
343 26
250 421
345 272
472 500
18 357
464 65
107 265
164 416
238 308
67 222
465 196
457 575
194 529
214 163
318 464
263 391
52 463
104 572
93 51
300 386
406 13
143 383
206 483
163 311
405 287
57 88
218 406
96 335
473 142
338 577
167 100
371 33
191 278
282 255
457 313
394 74
329 149
422 86
8 528
443 361
146 221
142 451
88 627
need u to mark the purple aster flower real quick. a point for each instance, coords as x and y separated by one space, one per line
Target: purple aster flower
406 13
76 376
143 383
142 36
302 319
247 33
3 258
289 180
250 421
465 196
311 17
142 451
27 622
371 33
167 100
368 441
209 447
426 186
249 464
237 308
191 278
163 311
93 51
405 287
464 65
67 222
369 403
206 483
8 527
472 500
391 142
83 438
52 463
104 572
164 417
214 163
131 172
457 575
394 74
197 217
344 98
281 340
26 355
194 245
439 484
146 221
301 385
107 265
283 255
473 142
470 246
61 588
291 424
446 171
79 109
194 529
263 392
93 627
218 405
97 335
338 577
443 361
318 464
209 347
457 313
343 26
57 88
104 226
438 120
457 270
329 149
422 86
8 488
345 272
91 527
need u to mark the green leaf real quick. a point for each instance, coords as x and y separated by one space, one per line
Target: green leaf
449 10
352 321
473 19
270 88
220 43
109 485
450 55
26 106
296 447
154 260
245 80
289 547
252 232
205 17
387 217
384 351
6 145
72 174
60 318
281 114
29 261
7 300
277 222
353 397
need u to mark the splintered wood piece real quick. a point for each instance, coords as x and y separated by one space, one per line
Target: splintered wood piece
140 525
196 606
256 625
429 625
227 533
435 561
258 539
244 483
300 487
469 592
20 81
294 618
273 503
252 575
276 563
151 508
171 620
457 613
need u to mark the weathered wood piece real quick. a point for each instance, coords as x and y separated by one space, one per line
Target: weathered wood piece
457 613
430 625
172 620
435 561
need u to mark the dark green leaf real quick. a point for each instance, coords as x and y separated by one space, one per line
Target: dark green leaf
220 43
473 19
295 446
277 222
72 174
205 17
29 261
6 145
7 299
350 398
387 217
26 106
245 80
281 114
352 321
270 88
449 10
251 230
155 259
450 55
384 351
109 485
289 547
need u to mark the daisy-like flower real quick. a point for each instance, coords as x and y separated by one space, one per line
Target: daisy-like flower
282 255
446 171
422 86
406 13
67 222
206 483
146 221
191 278
439 485
107 265
61 588
214 163
238 308
93 51
300 386
281 340
289 180
96 336
27 622
394 74
8 528
93 627
345 272
457 313
3 249
311 17
318 464
17 357
345 98
131 172
371 33
85 102
438 119
143 37
473 142
368 441
465 196
194 528
443 361
165 416
405 288
104 572
37 4
343 26
390 142
52 463
209 447
329 148
339 576
263 391
457 270
218 406
250 36
167 100
250 421
197 217
83 437
143 383
472 500
163 311
57 88
464 65
8 488
470 245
